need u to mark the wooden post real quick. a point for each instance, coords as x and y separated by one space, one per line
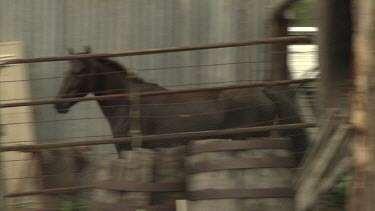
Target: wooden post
335 57
335 54
279 51
362 192
280 22
279 55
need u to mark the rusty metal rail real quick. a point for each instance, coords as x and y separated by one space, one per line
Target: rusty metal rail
109 185
276 143
151 139
168 92
51 191
241 193
286 39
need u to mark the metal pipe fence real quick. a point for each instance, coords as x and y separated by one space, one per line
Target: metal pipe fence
274 40
146 139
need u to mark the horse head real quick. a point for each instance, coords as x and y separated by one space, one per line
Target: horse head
77 82
90 76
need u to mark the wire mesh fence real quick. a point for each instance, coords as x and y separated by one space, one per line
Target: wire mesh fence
72 167
64 178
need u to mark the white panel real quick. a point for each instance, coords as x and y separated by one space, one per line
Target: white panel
17 124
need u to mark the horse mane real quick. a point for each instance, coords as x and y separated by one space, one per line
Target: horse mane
114 65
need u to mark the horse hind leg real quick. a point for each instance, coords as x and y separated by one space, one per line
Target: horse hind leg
121 147
288 114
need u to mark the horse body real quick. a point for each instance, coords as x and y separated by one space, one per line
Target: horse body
190 112
187 112
205 111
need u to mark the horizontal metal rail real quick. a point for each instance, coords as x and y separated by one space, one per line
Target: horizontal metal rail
52 191
108 185
287 39
168 92
158 137
238 193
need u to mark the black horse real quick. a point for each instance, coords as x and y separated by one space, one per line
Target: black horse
199 111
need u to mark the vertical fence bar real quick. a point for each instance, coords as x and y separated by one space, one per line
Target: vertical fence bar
135 115
2 175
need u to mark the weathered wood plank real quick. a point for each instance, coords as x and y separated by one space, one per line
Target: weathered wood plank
229 185
308 188
212 180
266 178
137 166
169 167
327 125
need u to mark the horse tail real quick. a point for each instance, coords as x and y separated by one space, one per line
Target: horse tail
288 114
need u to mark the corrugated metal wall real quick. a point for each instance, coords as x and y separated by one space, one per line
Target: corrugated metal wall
48 27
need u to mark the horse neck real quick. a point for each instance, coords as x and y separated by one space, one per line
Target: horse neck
120 84
111 83
143 86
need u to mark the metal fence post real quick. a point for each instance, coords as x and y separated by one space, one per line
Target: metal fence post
3 190
2 176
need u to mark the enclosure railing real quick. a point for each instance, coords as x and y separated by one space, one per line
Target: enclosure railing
287 39
117 96
158 137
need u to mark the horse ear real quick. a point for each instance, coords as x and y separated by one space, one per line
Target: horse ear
87 49
70 50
